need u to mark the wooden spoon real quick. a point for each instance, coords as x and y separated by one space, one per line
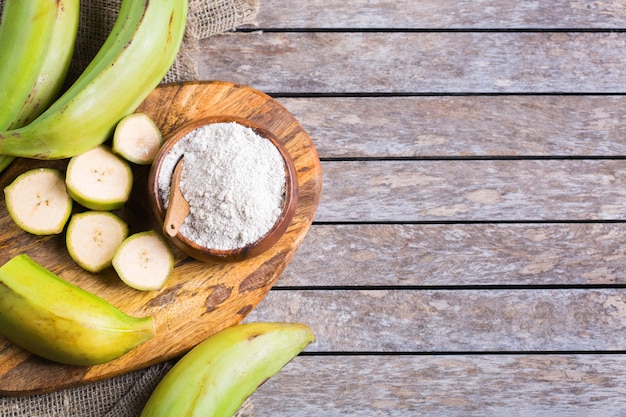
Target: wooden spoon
178 207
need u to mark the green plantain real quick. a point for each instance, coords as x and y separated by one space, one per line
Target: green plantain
56 63
59 321
25 36
133 61
216 377
37 39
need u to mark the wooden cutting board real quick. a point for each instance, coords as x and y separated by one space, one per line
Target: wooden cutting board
199 298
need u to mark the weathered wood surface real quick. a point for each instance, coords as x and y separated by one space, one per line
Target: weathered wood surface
467 385
443 14
440 255
419 62
472 203
470 235
468 253
463 126
471 190
388 320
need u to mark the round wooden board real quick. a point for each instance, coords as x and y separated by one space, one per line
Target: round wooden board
199 298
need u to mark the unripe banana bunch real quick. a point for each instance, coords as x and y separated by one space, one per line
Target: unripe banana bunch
135 57
215 377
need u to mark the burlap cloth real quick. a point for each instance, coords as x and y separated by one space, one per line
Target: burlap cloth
126 395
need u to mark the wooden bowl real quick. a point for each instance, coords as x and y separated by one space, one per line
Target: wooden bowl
197 251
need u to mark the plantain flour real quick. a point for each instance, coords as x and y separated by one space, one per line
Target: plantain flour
234 181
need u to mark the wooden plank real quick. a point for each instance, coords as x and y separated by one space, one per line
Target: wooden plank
463 126
417 62
447 386
437 14
454 320
459 254
472 190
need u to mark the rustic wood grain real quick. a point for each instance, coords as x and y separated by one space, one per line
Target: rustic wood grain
463 126
380 68
418 62
199 298
483 190
404 93
391 255
445 386
387 320
437 14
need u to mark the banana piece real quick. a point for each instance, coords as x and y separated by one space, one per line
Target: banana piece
137 139
38 202
215 377
121 76
59 321
92 238
99 179
37 39
144 261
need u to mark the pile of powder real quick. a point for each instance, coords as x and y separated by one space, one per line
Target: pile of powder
234 181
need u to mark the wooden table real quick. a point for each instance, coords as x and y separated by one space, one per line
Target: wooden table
468 254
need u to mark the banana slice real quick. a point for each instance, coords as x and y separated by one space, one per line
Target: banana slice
98 179
38 202
137 139
93 237
144 261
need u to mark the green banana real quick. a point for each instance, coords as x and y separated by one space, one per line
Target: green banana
55 65
140 51
25 31
59 321
47 52
216 376
128 19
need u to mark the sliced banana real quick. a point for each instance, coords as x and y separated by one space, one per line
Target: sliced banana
38 202
137 139
93 237
99 179
144 261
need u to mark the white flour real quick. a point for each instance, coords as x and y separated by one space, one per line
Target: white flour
234 181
